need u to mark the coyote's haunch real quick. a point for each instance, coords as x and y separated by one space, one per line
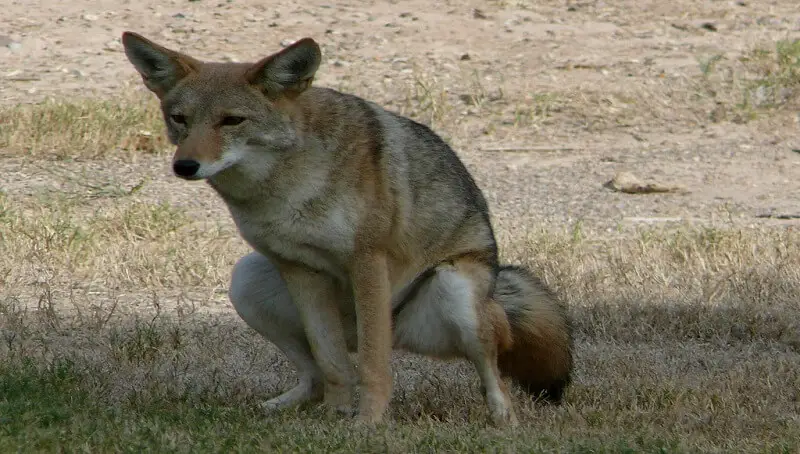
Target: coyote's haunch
368 231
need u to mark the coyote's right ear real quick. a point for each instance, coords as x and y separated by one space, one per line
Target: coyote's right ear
290 70
160 68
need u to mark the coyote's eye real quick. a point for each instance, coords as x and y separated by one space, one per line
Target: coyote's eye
179 119
231 121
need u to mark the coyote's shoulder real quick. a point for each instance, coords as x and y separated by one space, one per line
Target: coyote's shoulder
363 171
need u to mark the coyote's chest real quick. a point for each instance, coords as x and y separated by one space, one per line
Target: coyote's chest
322 239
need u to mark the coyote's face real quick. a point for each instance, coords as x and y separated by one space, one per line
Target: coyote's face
222 116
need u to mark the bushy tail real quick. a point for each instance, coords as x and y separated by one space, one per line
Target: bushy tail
540 359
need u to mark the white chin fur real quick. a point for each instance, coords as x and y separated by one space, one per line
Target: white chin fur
208 170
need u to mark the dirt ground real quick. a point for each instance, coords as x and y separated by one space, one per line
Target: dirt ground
544 100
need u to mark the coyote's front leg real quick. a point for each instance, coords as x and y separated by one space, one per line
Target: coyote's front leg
315 294
372 293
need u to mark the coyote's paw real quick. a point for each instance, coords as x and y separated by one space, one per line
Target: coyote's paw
369 419
503 417
305 391
341 411
339 399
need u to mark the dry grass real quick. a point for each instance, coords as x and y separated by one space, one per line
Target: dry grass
91 128
129 244
116 334
766 78
686 341
759 83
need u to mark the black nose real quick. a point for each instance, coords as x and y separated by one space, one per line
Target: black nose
185 167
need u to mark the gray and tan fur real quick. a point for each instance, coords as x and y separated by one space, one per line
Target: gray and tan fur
368 232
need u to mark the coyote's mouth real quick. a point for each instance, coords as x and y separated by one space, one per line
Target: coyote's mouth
190 169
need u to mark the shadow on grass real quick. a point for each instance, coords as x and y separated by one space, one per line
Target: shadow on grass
173 384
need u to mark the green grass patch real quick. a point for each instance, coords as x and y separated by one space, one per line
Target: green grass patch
48 408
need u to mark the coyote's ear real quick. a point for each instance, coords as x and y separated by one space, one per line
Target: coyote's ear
161 68
289 71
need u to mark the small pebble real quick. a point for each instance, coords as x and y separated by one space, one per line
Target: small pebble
478 14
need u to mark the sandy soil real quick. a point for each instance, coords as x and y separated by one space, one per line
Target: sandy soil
586 89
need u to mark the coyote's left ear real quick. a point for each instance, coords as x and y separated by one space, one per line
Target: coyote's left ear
289 71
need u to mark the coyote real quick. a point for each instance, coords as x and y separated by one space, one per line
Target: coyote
368 233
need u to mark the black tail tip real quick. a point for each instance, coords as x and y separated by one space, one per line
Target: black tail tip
553 393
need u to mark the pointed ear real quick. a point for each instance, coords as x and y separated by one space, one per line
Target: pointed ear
161 68
289 71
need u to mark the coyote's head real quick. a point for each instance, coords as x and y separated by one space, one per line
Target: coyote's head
224 115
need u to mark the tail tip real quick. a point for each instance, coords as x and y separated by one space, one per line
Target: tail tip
552 393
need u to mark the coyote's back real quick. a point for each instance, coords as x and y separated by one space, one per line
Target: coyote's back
369 233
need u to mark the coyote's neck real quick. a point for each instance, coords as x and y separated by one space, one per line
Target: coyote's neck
236 188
